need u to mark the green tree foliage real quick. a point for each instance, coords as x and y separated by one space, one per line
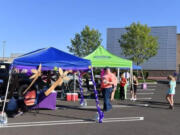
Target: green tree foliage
137 44
85 42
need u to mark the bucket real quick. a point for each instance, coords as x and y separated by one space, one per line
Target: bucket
74 96
68 96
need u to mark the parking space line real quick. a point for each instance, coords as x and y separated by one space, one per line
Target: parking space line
146 89
143 93
70 122
142 98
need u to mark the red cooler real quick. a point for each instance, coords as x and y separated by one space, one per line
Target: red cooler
68 96
74 97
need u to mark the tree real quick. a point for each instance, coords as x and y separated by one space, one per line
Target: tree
137 44
85 42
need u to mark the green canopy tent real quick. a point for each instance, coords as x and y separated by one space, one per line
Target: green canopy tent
103 58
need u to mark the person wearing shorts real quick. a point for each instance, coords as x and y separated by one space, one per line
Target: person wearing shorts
134 88
171 91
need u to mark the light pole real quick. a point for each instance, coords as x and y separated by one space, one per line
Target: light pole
3 44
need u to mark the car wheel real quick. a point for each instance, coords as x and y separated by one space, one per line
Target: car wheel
21 90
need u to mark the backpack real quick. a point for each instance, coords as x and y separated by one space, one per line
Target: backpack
12 105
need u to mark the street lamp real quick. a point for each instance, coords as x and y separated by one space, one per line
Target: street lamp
3 44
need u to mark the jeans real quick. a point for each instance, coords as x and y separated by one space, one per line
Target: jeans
106 94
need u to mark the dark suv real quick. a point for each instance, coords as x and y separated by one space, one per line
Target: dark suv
18 83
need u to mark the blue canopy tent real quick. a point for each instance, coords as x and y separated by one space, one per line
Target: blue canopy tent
50 58
135 67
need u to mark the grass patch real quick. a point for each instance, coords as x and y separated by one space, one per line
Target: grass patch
148 80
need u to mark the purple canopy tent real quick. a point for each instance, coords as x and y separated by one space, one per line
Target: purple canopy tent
50 58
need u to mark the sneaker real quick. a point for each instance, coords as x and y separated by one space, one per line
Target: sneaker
171 107
131 99
18 114
135 99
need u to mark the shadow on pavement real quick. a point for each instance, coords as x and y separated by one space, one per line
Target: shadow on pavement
64 116
75 108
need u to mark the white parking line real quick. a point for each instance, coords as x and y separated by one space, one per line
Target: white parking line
69 122
142 98
146 89
131 105
143 93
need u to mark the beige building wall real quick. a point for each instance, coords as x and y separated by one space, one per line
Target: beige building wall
6 59
178 54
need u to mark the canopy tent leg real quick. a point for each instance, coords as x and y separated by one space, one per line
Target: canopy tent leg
4 118
131 78
118 70
144 85
128 82
100 113
82 102
74 89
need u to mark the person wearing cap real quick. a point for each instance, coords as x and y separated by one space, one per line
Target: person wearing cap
106 84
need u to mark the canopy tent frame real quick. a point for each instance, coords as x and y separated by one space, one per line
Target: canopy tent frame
77 68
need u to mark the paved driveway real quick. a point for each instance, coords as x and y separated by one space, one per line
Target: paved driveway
149 115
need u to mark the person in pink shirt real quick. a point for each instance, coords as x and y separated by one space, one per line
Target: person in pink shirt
106 84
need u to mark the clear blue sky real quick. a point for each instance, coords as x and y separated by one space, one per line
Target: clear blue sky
27 25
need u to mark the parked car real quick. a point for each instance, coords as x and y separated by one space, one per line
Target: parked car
19 81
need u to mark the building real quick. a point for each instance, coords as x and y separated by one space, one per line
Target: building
167 60
178 53
11 58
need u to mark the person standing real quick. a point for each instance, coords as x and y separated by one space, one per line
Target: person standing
114 85
134 88
127 76
171 91
107 82
122 84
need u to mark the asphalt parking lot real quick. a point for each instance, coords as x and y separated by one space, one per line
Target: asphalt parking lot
146 116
